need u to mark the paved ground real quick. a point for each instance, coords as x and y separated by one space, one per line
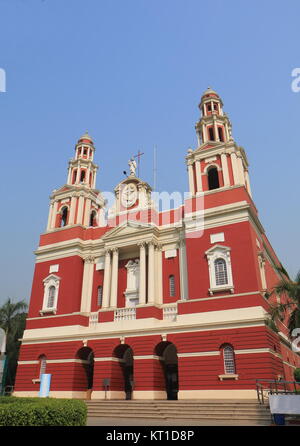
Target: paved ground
100 421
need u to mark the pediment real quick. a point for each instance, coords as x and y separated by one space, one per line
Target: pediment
218 248
129 229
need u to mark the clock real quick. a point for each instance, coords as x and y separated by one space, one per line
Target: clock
129 195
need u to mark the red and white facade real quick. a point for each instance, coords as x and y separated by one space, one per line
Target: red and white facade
160 304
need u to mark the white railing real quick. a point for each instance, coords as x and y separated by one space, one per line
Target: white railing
170 312
125 314
93 321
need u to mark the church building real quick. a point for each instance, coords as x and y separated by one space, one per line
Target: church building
140 302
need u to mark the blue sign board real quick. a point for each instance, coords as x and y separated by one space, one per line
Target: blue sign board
45 385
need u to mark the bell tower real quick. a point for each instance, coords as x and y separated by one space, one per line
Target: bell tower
218 162
77 202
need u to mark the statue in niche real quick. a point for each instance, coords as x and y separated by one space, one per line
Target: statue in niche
133 283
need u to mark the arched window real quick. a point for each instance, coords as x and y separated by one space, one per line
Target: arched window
99 295
229 363
64 216
213 178
43 364
221 272
93 218
221 134
51 296
172 286
82 176
74 176
211 134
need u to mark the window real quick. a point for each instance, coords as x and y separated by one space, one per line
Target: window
43 363
82 176
171 286
219 267
213 178
99 295
51 296
221 135
51 287
221 272
229 363
64 216
93 218
211 134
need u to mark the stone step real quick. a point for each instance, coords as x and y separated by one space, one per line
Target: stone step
186 410
218 416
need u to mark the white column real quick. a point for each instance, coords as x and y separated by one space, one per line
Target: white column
216 130
107 280
69 175
54 212
234 168
198 176
191 179
151 278
241 170
87 285
87 212
114 278
183 271
50 216
159 277
204 135
142 290
225 169
248 182
80 210
72 210
94 178
78 174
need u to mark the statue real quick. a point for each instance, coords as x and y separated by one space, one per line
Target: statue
132 166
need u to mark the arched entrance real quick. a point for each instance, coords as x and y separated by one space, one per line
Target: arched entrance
125 355
86 355
169 362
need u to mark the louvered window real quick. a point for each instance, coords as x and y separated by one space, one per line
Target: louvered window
51 297
100 295
172 286
43 363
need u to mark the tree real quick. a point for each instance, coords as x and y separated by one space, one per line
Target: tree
291 290
12 320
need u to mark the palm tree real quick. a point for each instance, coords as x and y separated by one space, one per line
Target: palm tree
12 320
291 289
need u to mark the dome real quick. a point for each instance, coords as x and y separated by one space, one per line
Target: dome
86 138
210 92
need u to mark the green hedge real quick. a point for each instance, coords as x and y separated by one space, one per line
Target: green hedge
297 374
17 411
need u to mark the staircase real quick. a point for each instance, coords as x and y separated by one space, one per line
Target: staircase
231 410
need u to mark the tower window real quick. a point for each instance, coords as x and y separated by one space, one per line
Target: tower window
211 134
221 272
74 176
172 286
99 295
229 363
51 297
221 134
93 218
82 176
208 107
213 178
64 216
215 106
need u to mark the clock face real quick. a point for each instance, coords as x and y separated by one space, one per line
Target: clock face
129 195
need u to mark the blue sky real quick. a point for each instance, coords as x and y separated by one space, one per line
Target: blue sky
132 72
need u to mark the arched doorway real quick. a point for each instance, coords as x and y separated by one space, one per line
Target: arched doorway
169 362
125 355
86 355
